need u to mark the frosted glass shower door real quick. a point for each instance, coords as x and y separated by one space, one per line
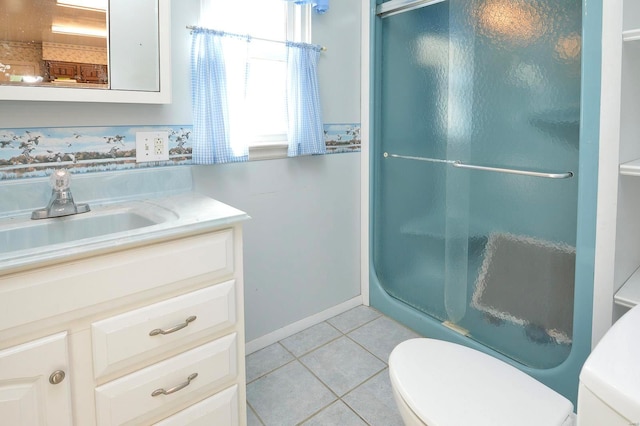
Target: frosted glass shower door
475 163
409 215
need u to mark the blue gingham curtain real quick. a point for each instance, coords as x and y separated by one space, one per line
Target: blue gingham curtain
305 134
320 6
219 63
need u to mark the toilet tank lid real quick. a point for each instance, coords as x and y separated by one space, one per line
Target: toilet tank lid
447 384
612 370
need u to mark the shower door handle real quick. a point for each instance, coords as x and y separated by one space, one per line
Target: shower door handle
563 175
461 165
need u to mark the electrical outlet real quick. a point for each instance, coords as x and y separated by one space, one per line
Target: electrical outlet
152 146
158 146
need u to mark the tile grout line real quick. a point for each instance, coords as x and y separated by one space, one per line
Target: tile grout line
368 380
360 326
337 397
317 347
386 363
275 369
296 358
255 413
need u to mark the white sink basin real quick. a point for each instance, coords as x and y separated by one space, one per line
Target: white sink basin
109 227
21 233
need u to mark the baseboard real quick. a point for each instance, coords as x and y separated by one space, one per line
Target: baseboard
291 329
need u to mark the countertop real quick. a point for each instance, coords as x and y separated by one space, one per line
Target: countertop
192 214
182 213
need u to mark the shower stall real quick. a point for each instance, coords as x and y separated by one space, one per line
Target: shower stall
474 176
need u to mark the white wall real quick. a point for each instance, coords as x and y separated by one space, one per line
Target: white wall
302 253
339 69
302 245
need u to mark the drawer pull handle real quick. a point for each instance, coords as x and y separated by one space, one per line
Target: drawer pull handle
174 328
175 388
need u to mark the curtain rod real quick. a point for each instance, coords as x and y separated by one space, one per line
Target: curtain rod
194 27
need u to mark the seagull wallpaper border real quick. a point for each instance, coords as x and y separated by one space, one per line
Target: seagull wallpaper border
35 152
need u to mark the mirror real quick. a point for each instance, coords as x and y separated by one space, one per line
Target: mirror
85 50
54 42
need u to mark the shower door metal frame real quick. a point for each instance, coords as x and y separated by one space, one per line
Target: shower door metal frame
394 7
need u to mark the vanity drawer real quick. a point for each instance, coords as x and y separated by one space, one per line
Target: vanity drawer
102 280
173 382
128 338
219 409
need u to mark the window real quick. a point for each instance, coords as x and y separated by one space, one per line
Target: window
266 86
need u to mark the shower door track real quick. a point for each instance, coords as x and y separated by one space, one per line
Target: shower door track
394 7
461 165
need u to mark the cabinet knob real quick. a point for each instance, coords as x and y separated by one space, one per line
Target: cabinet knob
56 377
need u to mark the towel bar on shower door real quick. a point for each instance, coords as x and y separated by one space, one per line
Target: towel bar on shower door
461 165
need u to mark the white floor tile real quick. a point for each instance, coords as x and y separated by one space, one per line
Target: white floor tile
337 414
265 360
373 401
342 365
354 318
288 395
295 381
252 419
381 335
310 339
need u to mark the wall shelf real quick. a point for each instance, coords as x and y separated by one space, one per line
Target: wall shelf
629 293
630 168
631 35
620 67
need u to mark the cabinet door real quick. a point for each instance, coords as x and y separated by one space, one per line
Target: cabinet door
27 396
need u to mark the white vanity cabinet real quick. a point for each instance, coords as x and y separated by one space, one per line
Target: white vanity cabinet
151 334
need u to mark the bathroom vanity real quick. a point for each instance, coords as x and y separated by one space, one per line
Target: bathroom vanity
142 326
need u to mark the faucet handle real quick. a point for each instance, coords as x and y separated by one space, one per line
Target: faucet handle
61 202
60 179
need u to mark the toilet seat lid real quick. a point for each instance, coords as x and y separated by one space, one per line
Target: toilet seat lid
446 384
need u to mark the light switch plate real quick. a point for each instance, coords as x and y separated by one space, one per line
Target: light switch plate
152 146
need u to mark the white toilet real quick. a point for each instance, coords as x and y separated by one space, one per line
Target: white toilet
437 383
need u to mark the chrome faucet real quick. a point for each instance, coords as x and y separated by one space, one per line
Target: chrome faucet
61 202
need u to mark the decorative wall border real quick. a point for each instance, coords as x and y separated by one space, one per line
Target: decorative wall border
35 152
342 137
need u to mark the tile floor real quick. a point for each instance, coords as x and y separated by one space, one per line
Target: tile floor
334 373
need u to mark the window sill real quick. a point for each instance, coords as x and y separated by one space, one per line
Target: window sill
268 151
